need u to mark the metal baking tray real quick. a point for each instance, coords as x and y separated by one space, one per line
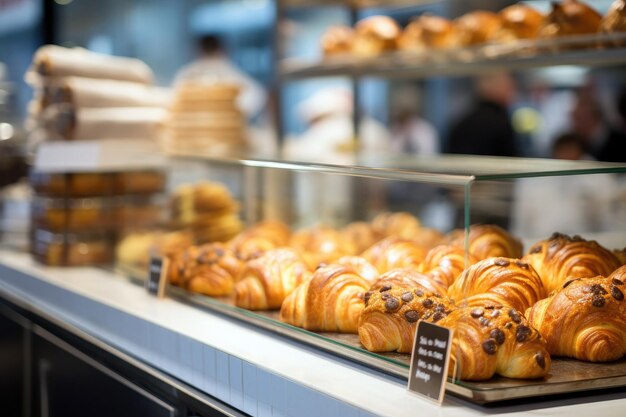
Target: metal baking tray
566 375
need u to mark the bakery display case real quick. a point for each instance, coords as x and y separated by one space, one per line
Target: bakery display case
416 230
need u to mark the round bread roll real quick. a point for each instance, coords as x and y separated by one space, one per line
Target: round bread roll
337 40
519 21
427 31
568 18
476 27
375 35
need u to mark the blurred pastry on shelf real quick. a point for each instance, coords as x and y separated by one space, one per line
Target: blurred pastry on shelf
615 21
362 234
399 224
570 17
321 244
427 32
519 21
475 28
135 249
395 252
375 35
488 240
361 266
263 236
337 40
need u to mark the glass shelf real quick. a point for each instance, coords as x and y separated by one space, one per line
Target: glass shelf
588 50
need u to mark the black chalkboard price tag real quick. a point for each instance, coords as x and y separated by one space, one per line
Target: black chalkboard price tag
157 276
429 362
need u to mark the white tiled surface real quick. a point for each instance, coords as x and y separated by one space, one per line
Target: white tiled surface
252 371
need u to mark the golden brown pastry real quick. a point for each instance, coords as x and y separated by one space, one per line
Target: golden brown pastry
337 40
498 281
375 35
361 266
615 20
428 237
619 273
389 320
362 235
519 21
210 269
488 240
445 263
562 257
263 236
489 341
321 244
427 32
267 280
398 224
410 279
620 255
331 301
395 252
585 319
476 27
568 18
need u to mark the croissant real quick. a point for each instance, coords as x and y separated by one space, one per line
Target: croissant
620 254
445 263
331 301
410 279
362 235
400 224
394 252
209 269
490 340
267 280
498 281
321 244
263 236
361 266
585 319
489 240
389 320
619 273
562 257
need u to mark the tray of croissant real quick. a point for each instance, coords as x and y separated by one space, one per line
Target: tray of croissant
547 320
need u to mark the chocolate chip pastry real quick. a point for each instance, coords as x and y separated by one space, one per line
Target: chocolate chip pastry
585 319
498 281
495 340
331 301
488 240
210 269
389 320
410 279
561 257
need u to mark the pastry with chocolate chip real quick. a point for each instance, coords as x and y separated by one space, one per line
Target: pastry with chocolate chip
389 320
585 319
495 340
410 279
562 257
498 281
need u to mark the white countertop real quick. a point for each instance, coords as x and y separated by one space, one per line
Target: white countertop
295 364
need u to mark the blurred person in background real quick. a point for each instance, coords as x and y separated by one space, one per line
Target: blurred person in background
571 147
602 141
410 133
486 129
213 65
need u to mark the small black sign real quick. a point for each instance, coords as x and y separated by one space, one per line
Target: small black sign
157 276
429 362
